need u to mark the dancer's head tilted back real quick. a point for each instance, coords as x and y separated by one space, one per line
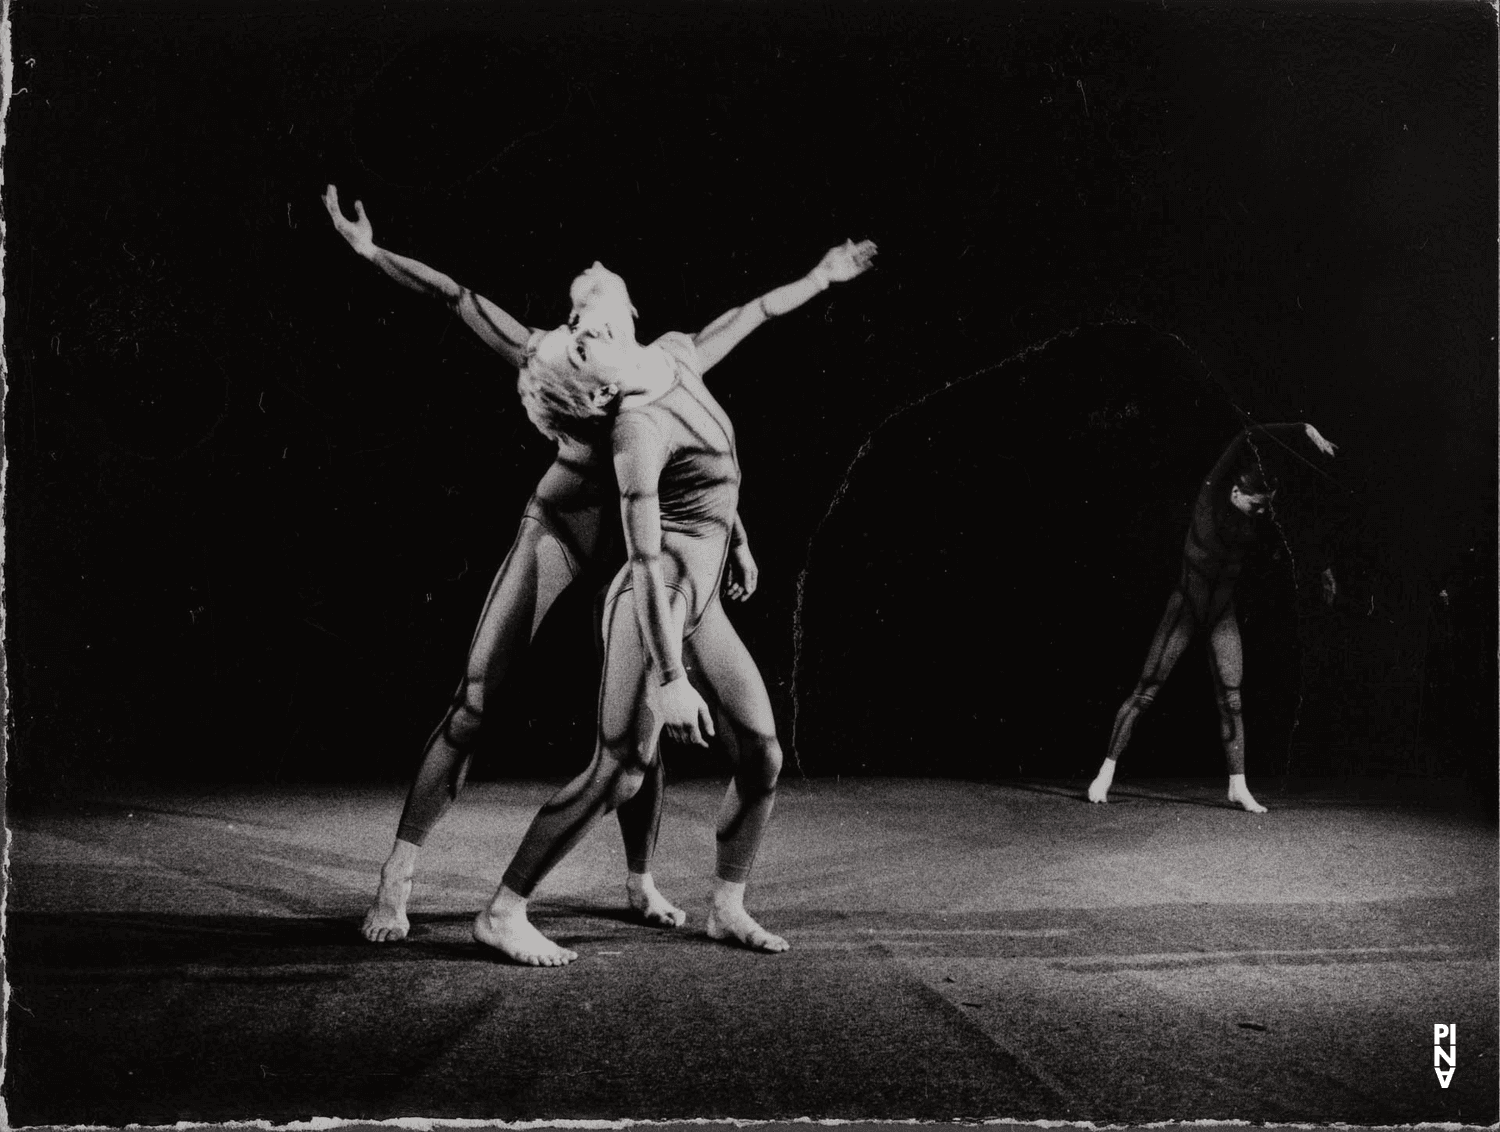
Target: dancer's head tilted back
574 375
601 304
560 386
562 392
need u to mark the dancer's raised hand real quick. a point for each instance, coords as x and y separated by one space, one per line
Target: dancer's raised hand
845 262
1321 443
359 232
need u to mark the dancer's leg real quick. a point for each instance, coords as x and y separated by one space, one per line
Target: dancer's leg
640 821
534 573
538 568
627 735
556 829
718 658
1226 662
1178 623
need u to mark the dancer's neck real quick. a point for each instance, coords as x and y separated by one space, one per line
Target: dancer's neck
647 375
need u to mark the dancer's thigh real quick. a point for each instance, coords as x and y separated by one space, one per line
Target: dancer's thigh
1225 653
629 725
530 579
719 659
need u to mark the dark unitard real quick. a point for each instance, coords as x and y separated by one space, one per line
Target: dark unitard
674 455
1212 555
568 530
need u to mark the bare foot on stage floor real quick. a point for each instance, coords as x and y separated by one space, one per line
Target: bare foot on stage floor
504 926
385 920
649 904
1239 795
1099 788
728 920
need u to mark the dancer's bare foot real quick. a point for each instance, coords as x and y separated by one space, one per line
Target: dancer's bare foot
1099 788
504 926
1239 795
385 919
650 904
728 920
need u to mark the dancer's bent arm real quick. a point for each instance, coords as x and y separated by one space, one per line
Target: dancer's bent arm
1295 428
638 464
838 265
1230 459
498 330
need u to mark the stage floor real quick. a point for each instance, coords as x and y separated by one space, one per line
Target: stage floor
959 951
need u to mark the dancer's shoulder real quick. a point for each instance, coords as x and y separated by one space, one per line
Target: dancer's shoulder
681 348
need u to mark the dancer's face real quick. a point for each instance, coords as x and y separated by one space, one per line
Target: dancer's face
566 350
604 356
588 352
601 305
1250 504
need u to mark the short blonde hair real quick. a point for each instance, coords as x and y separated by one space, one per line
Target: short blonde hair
559 398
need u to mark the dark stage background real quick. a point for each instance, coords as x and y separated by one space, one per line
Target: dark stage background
256 491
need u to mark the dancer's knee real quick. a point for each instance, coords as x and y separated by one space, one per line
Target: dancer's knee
617 773
1229 701
622 787
760 764
461 725
1143 696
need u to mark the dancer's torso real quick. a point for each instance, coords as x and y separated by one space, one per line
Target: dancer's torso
698 489
577 501
1220 533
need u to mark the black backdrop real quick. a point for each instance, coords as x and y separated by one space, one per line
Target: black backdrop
255 491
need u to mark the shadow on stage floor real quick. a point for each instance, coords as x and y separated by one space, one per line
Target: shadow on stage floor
961 951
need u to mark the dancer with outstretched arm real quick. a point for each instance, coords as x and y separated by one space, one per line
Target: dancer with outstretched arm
569 529
665 629
1235 497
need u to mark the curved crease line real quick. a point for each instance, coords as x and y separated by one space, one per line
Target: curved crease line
843 487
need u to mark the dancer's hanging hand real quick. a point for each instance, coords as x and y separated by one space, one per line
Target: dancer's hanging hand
742 576
684 716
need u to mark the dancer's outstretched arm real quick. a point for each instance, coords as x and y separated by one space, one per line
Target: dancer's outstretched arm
498 330
838 265
1295 428
1229 461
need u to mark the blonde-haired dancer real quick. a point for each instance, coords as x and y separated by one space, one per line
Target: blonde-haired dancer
664 626
567 529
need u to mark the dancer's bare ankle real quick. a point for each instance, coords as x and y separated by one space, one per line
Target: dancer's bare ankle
650 904
503 925
1239 795
385 920
1099 788
728 920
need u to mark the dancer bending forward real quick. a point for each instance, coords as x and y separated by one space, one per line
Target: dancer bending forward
1235 495
664 626
567 531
